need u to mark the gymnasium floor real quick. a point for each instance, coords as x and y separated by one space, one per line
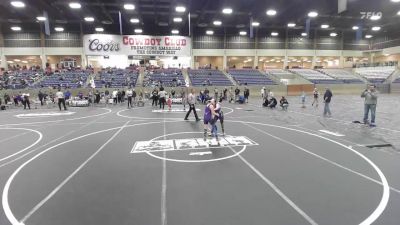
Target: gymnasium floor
296 167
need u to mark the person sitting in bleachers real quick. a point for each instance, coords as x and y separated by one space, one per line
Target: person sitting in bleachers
284 103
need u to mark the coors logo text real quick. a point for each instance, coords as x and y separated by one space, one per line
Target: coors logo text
109 46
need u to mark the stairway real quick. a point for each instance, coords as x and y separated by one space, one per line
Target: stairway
139 81
230 78
185 75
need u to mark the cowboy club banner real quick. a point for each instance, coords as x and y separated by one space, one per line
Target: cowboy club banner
103 44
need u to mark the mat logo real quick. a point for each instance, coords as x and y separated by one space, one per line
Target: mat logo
190 144
108 46
371 15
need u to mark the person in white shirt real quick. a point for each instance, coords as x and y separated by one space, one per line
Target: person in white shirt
61 99
129 93
114 96
191 100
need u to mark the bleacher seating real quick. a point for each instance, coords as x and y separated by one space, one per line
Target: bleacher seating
116 78
208 77
250 76
341 74
67 79
20 79
376 74
315 76
278 72
397 80
170 77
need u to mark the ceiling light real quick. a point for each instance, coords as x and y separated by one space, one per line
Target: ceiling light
324 26
368 36
312 14
355 28
386 54
375 28
89 19
99 29
17 60
227 11
209 32
375 17
217 23
134 20
129 6
180 9
304 34
75 5
274 34
395 1
291 24
10 62
333 34
17 4
175 31
242 33
255 24
271 12
24 61
16 28
398 13
41 18
177 19
59 29
138 31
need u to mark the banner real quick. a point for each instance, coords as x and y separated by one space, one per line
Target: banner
103 44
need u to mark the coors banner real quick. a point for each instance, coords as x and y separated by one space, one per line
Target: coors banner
102 44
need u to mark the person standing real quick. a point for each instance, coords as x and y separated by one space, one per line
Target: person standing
41 97
216 93
61 99
246 94
26 101
162 95
129 94
237 93
316 95
191 100
134 96
370 96
154 96
327 100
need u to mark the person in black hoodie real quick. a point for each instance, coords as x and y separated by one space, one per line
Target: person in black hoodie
327 100
272 103
41 97
154 96
246 94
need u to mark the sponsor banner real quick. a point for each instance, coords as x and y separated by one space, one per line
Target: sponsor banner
190 144
103 44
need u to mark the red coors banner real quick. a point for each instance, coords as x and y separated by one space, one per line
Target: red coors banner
100 44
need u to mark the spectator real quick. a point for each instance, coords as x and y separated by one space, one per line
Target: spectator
327 100
284 103
370 96
246 94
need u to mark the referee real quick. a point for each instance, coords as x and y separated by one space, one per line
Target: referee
191 99
61 99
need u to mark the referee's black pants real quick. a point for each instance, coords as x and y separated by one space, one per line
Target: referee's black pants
129 101
192 107
61 101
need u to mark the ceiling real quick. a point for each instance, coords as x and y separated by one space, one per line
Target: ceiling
156 16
